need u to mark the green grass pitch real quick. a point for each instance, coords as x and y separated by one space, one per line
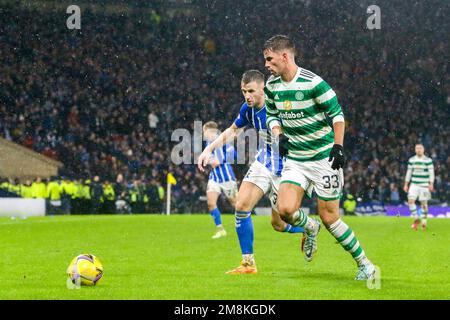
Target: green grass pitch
174 257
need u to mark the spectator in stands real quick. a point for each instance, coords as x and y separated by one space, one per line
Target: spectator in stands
350 205
96 195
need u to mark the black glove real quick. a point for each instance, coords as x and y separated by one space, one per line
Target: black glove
337 153
283 142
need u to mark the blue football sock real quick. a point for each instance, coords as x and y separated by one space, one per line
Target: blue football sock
244 229
289 228
215 213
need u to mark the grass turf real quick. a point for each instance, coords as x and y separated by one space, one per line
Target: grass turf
174 257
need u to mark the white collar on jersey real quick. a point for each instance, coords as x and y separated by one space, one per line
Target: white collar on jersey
297 74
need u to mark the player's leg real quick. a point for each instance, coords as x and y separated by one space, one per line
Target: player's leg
231 191
213 192
424 215
329 214
328 184
281 226
414 213
290 194
277 223
248 196
424 197
289 200
412 197
211 198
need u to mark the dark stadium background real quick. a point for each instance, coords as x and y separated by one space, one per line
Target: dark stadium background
83 96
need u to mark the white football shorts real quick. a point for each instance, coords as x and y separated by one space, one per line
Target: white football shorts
417 192
327 182
267 181
228 188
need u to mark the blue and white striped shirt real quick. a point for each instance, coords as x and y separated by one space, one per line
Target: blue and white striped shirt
257 119
224 172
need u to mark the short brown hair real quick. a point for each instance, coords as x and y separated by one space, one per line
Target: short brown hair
210 125
252 75
280 42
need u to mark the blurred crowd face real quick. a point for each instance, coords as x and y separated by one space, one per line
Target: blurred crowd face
253 93
420 150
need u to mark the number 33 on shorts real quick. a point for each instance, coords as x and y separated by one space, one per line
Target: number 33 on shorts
331 187
331 181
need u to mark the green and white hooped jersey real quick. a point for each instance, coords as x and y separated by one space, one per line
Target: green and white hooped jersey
300 107
420 171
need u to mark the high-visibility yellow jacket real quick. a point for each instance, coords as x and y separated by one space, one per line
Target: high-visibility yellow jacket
108 192
39 190
54 190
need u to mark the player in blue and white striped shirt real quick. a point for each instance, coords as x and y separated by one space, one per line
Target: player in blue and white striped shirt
221 178
264 174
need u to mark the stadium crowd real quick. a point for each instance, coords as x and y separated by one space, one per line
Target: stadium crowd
104 100
65 196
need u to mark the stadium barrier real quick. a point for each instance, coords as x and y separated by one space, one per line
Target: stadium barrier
371 208
376 208
17 207
403 211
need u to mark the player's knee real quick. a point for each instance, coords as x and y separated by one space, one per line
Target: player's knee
242 205
285 210
211 206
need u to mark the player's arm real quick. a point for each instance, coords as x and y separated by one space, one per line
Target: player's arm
273 121
225 137
326 100
431 171
408 177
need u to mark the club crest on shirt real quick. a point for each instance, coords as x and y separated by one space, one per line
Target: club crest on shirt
287 104
299 95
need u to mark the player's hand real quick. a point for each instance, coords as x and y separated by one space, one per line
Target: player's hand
203 160
276 131
405 188
283 142
215 162
431 188
337 156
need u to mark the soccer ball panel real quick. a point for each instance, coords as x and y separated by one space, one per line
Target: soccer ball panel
85 269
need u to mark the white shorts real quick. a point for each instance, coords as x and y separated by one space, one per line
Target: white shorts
417 192
229 188
327 182
268 182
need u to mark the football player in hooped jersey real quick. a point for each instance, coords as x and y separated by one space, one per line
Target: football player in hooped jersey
221 178
419 183
262 177
298 103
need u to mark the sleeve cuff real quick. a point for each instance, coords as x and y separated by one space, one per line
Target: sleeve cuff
338 118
